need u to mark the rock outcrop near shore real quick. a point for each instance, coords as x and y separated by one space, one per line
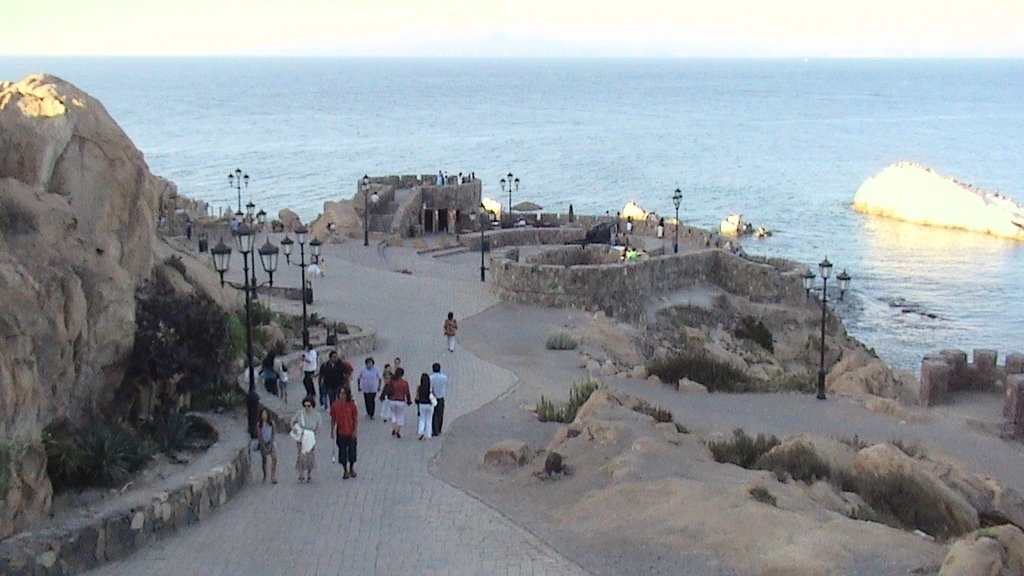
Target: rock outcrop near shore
77 231
913 193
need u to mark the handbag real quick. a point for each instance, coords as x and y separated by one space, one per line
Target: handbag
433 399
296 432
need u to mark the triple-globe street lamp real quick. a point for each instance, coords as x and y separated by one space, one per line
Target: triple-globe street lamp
677 199
484 221
509 183
825 270
301 234
221 254
235 180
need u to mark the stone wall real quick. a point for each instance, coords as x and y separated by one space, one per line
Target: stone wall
79 545
523 236
949 371
623 290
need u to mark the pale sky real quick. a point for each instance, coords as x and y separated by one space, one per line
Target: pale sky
498 28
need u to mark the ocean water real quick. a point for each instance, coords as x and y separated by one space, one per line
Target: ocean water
785 142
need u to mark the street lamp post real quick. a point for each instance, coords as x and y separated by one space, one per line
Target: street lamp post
677 199
825 269
221 255
509 183
483 219
301 234
367 198
236 180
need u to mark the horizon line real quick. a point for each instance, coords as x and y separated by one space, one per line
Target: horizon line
530 57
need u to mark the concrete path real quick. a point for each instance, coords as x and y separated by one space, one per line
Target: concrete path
395 518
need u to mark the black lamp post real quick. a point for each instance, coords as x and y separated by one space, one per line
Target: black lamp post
268 258
677 199
236 180
509 183
483 220
825 269
367 198
286 245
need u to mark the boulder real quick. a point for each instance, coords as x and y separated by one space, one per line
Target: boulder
289 219
553 463
507 453
860 372
338 221
690 387
974 557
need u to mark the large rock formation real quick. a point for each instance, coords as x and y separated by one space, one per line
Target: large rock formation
911 192
77 229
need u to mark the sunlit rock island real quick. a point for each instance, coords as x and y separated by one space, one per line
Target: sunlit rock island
914 193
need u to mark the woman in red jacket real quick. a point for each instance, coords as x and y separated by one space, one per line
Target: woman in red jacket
398 394
344 416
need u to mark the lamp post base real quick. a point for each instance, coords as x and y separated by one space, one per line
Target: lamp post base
675 248
483 274
252 406
821 384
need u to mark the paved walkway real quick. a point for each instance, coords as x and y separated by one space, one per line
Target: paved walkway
395 518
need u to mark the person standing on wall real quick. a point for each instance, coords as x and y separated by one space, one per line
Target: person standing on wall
439 385
450 328
309 365
369 381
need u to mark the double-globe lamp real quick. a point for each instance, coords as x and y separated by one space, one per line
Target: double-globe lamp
302 234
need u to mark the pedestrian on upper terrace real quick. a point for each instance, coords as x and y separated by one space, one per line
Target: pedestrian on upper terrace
661 228
450 328
629 225
439 386
369 381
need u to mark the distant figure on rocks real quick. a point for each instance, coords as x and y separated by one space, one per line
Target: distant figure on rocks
369 381
629 225
344 419
572 215
661 227
188 228
397 393
450 328
439 386
425 407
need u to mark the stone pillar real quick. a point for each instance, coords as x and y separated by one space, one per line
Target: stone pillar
986 373
1013 408
935 374
1015 363
960 375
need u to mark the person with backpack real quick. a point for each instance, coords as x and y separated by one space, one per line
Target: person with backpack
271 372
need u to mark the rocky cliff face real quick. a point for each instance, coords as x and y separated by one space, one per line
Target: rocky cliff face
913 193
77 229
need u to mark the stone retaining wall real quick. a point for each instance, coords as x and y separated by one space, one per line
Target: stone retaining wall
624 290
71 549
523 236
948 371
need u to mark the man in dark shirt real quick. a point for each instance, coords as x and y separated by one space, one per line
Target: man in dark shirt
332 377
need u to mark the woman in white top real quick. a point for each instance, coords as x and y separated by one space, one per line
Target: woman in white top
305 424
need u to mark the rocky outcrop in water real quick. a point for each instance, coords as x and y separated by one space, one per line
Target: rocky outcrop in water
78 210
913 193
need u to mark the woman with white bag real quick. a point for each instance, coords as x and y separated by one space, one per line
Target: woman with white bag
305 424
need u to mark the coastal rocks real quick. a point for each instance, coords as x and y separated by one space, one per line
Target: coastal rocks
337 222
507 453
688 386
995 551
289 220
913 193
860 372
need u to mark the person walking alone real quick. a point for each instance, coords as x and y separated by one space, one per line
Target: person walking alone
425 407
369 381
450 328
268 448
439 386
309 366
397 392
344 416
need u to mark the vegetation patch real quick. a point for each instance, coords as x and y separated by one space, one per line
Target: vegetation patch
909 448
902 502
218 397
561 341
100 454
657 412
798 462
716 376
755 331
761 494
10 452
579 393
742 449
794 382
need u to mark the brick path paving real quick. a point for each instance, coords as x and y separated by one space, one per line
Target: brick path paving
395 518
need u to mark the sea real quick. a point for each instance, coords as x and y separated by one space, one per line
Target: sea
784 142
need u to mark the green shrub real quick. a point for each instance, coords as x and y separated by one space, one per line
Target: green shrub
579 393
798 462
101 454
755 331
173 432
716 376
223 395
853 442
657 412
761 494
174 261
742 449
902 502
561 341
261 314
796 382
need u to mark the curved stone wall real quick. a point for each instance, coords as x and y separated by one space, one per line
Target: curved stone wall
623 290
